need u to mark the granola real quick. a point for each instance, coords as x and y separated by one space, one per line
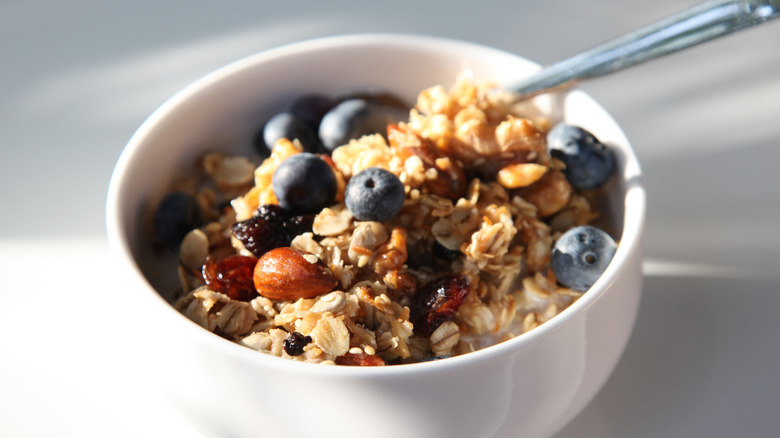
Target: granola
484 202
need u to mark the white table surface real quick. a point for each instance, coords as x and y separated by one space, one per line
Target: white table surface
78 77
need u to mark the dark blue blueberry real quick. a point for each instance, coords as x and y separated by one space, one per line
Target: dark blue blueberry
354 118
304 184
176 215
581 255
589 163
287 125
311 108
374 194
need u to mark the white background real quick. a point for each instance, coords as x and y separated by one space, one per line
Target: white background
78 77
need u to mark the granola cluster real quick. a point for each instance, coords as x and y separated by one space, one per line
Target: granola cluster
484 203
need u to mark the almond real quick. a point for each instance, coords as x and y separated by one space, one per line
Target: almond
289 274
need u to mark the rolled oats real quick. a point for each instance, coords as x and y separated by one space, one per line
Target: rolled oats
366 237
331 335
444 338
332 221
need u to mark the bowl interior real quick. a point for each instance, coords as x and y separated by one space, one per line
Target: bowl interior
224 110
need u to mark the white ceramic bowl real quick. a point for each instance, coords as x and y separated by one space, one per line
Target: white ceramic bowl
530 386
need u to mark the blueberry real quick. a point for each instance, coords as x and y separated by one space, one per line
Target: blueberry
311 108
581 255
589 163
177 214
288 125
304 184
374 194
354 118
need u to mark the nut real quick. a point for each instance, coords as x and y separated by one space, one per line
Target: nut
549 194
289 274
517 175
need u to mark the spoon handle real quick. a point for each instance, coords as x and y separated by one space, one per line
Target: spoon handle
693 26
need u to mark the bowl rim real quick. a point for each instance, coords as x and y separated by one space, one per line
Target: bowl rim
121 248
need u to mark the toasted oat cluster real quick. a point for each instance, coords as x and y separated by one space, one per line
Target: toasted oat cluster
463 265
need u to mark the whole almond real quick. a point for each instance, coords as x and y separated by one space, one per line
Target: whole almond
288 274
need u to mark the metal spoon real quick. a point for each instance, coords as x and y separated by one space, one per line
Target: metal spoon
701 23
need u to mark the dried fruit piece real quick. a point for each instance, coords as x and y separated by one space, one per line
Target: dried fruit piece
289 274
260 236
360 360
271 227
437 302
295 342
232 276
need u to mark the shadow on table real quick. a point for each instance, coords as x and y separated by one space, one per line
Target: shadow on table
702 362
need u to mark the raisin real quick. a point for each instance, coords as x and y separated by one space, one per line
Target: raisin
271 212
232 276
295 342
299 224
271 227
360 360
437 301
260 236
